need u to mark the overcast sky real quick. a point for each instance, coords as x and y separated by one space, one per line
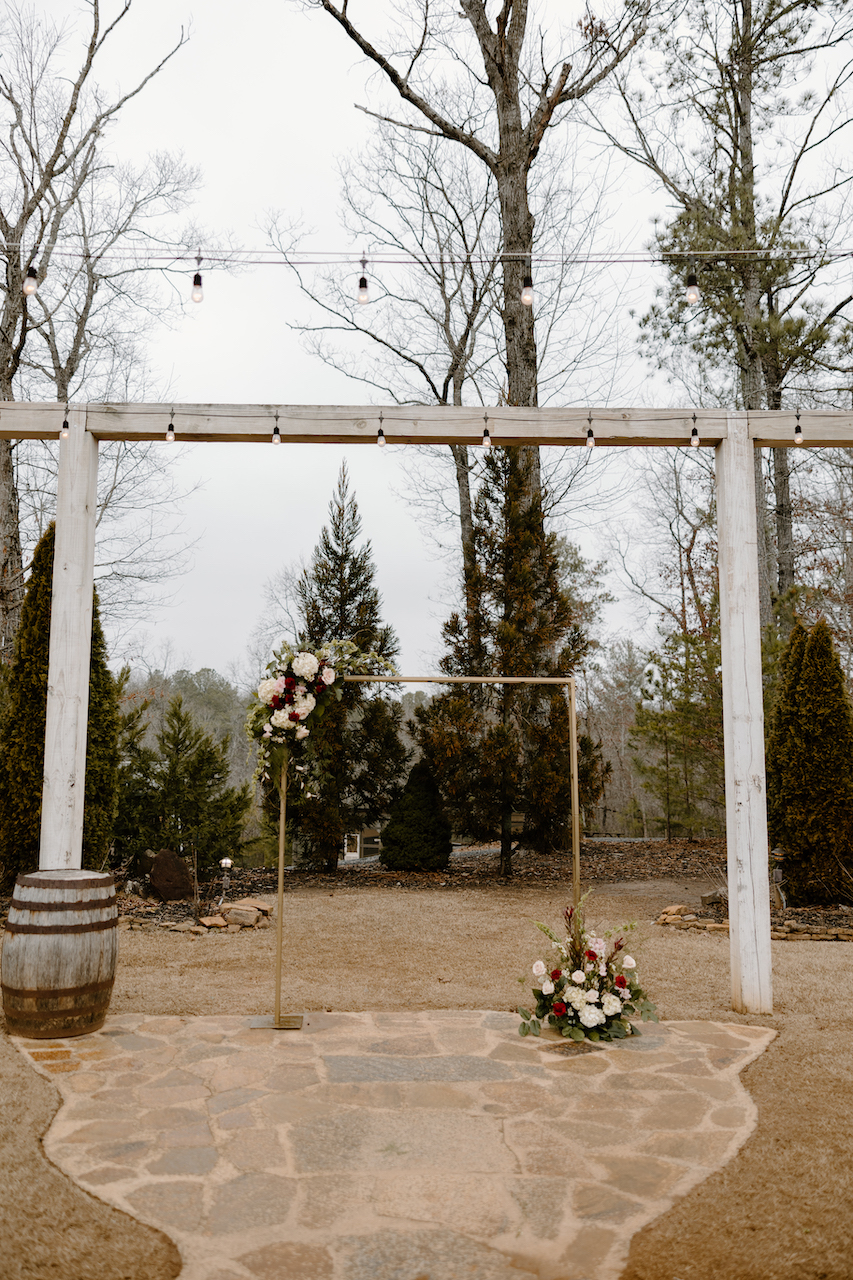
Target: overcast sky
262 99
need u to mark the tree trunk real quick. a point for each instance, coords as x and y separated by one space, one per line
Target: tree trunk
466 523
784 519
506 796
11 562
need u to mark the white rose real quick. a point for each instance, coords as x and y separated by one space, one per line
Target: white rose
267 690
548 988
579 976
611 1005
302 732
628 963
538 969
305 665
329 675
591 997
591 1017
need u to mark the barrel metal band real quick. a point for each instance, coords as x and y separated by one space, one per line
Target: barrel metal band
26 993
96 880
35 1017
91 904
46 929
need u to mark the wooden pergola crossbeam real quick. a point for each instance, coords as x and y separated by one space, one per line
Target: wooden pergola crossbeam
733 435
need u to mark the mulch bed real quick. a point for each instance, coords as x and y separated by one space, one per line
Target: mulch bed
602 862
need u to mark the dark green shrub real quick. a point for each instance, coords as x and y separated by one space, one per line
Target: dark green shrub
417 837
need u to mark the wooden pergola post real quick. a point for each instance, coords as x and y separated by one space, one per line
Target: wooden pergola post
70 650
743 723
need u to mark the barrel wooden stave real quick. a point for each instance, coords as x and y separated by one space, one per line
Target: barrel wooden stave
59 953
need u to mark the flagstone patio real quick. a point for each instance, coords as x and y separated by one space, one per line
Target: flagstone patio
386 1146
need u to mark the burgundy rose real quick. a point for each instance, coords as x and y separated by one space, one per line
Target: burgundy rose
591 956
290 683
559 1008
555 974
276 702
295 717
288 699
621 981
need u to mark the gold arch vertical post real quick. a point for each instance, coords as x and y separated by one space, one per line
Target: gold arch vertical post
290 1021
576 815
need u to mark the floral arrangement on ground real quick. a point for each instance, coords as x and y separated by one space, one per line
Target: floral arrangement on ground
593 990
298 687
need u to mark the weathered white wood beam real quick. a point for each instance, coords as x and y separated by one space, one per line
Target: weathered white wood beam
358 424
821 428
70 649
743 724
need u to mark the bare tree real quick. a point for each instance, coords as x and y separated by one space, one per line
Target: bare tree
63 212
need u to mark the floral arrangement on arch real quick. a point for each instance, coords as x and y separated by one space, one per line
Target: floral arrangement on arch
296 690
589 988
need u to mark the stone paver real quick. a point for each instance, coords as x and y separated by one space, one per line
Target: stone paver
413 1146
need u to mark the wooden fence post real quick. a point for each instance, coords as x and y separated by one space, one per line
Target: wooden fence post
70 650
743 723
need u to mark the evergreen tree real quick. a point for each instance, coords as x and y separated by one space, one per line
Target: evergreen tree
177 795
417 836
810 771
23 729
490 746
358 739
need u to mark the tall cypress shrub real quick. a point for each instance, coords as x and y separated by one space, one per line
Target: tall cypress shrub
810 771
417 836
22 733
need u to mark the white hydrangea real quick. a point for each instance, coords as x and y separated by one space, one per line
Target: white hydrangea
280 718
611 1005
591 1017
267 690
574 998
305 665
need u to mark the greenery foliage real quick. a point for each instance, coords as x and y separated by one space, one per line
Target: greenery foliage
23 728
810 771
417 835
176 795
358 744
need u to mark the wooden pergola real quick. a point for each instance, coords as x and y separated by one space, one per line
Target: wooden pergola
733 436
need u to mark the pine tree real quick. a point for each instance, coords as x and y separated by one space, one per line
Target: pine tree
491 746
359 740
23 728
177 795
810 771
417 835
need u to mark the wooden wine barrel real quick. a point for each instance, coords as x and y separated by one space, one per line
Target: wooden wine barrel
59 953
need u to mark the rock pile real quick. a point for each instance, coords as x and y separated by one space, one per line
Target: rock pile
680 916
247 913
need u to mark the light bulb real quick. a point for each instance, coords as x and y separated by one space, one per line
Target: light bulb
363 295
380 438
798 432
170 433
487 439
197 293
590 439
693 294
225 863
694 438
527 291
66 430
276 435
31 284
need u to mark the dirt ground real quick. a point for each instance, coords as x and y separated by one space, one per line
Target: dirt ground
780 1211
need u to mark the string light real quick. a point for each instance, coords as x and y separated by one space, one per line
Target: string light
798 431
31 283
487 439
527 291
380 434
363 295
693 294
170 430
276 434
197 293
590 438
66 430
694 434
